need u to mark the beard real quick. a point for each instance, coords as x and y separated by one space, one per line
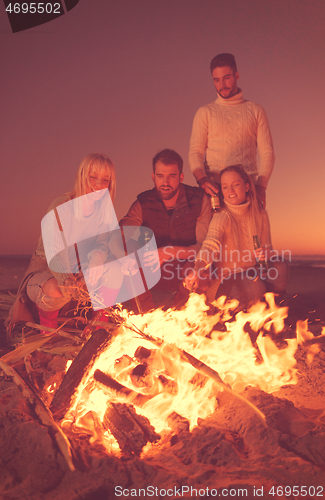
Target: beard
167 195
233 90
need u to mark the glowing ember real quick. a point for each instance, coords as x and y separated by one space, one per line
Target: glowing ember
159 382
51 388
69 363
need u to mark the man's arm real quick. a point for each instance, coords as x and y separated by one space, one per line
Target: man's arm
265 149
134 216
198 145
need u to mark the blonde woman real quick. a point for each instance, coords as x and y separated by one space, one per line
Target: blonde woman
73 248
228 253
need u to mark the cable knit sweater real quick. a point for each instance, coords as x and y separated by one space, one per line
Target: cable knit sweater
220 244
229 132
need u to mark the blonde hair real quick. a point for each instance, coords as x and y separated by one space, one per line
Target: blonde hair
254 210
93 162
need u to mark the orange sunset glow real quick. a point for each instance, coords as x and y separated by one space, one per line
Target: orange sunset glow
126 78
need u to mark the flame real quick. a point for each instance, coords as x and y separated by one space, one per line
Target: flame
303 335
165 382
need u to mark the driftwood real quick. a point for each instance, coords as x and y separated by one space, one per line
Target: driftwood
131 431
42 412
80 367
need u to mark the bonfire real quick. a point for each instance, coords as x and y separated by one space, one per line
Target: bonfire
189 394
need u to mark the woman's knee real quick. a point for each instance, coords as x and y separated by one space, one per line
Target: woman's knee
43 290
52 289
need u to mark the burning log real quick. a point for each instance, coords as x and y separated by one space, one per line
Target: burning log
169 385
142 353
131 431
42 412
177 423
81 365
141 375
119 389
206 370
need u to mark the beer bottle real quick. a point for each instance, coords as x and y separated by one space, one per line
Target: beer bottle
262 263
148 246
215 203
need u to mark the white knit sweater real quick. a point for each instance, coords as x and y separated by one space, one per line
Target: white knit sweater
221 246
229 132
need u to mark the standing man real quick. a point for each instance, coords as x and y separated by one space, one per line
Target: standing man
179 216
229 131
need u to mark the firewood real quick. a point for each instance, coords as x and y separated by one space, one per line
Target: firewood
81 367
142 353
109 382
206 370
119 389
169 385
131 431
141 376
177 423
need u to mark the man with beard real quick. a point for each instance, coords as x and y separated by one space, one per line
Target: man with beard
179 216
230 131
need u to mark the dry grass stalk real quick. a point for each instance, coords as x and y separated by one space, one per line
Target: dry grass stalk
59 331
24 350
6 300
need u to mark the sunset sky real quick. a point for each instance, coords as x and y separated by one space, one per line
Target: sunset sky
125 78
